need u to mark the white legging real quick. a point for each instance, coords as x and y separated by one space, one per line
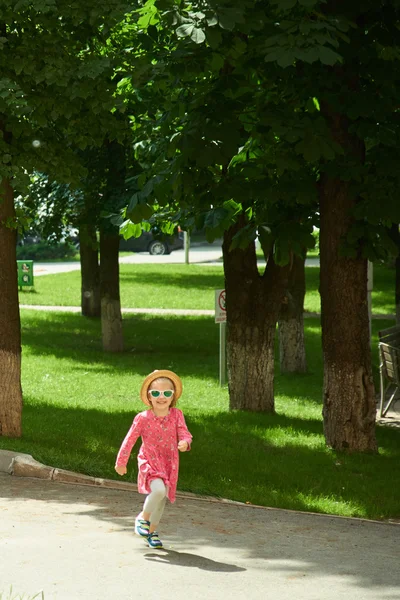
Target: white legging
155 501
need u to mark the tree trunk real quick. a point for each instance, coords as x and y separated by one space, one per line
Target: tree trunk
10 328
396 238
90 272
349 409
292 350
252 305
397 293
111 318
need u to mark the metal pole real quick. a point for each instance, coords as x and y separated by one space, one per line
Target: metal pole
186 243
222 354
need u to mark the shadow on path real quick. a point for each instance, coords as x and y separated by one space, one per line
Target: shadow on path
184 559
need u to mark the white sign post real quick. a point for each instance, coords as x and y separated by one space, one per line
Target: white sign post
186 245
220 317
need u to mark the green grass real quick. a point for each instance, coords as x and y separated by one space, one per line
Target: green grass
154 286
79 403
383 298
11 595
142 286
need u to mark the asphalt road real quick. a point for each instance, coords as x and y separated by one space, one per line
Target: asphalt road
76 542
199 254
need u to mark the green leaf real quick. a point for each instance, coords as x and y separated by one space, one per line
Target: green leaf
133 202
214 38
329 57
285 4
286 59
215 217
266 239
185 30
308 3
309 149
217 61
197 35
227 21
310 105
129 229
135 215
212 21
147 211
244 237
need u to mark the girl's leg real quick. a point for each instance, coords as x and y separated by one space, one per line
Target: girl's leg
154 504
157 514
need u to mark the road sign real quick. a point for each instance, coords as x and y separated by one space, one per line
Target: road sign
220 317
220 306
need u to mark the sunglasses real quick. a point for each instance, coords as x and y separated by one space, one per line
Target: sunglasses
158 393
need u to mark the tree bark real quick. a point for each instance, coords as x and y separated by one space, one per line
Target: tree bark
396 238
292 350
90 272
252 306
111 318
10 327
349 408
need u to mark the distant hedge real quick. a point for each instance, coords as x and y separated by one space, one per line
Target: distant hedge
44 251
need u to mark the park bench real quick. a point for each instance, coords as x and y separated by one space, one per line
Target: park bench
389 353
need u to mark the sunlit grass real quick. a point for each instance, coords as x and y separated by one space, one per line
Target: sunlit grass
184 287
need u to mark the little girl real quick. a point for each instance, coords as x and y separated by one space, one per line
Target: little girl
163 431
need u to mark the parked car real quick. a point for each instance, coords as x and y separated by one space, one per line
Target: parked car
154 242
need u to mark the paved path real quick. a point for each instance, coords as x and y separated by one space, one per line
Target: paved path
202 254
76 543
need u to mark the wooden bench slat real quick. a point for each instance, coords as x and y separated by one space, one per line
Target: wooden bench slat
389 330
391 354
391 342
389 350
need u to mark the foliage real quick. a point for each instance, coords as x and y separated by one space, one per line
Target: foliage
243 99
56 88
44 251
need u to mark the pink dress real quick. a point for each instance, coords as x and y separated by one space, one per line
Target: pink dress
158 456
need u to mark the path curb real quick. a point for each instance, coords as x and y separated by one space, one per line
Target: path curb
170 311
24 465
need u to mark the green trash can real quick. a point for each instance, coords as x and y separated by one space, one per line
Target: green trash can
25 273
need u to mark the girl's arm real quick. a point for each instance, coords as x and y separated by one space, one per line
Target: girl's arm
129 442
184 434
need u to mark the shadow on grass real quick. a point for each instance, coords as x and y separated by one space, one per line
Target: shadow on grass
188 344
201 278
271 460
277 446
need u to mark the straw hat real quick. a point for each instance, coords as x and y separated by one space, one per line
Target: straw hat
156 375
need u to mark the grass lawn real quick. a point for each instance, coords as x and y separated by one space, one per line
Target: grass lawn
80 402
154 286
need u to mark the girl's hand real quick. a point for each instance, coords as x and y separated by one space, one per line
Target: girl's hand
183 446
121 470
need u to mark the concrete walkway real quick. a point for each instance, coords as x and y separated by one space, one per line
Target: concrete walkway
75 542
